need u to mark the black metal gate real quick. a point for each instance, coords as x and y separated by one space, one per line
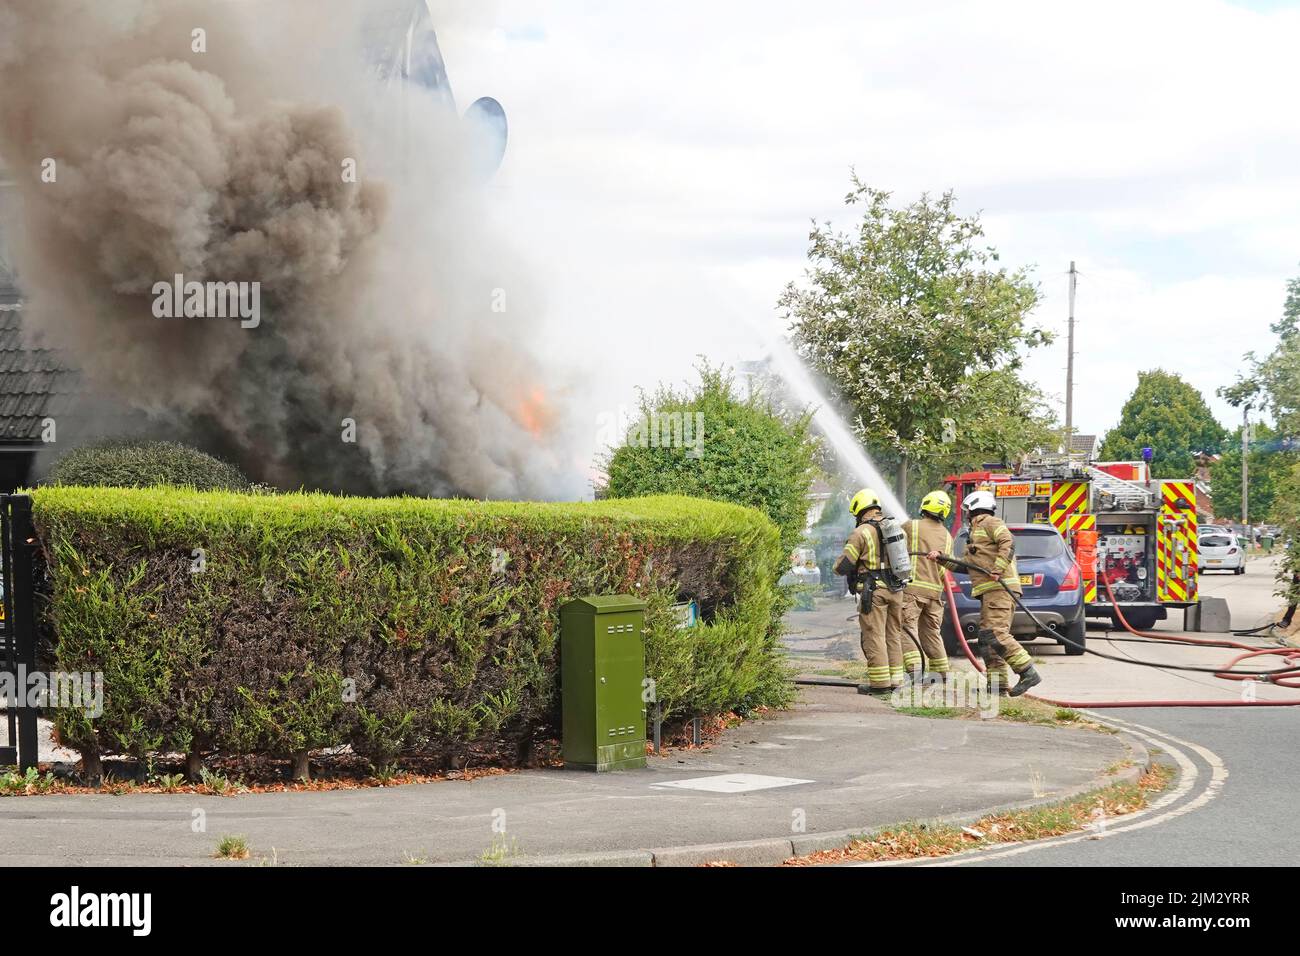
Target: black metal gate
18 743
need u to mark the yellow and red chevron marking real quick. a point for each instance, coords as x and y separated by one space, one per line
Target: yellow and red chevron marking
1078 522
1067 498
1177 580
1090 591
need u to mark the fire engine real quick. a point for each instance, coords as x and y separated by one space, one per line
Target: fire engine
1136 533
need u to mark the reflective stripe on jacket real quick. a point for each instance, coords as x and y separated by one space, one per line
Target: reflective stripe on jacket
923 536
991 545
863 548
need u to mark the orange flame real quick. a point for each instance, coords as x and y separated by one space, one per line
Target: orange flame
534 414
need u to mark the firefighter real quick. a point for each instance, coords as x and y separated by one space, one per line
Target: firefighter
863 562
929 540
991 548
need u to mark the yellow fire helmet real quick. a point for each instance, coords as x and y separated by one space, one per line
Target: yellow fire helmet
937 503
864 499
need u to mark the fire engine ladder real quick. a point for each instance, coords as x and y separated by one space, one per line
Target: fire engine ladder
1127 495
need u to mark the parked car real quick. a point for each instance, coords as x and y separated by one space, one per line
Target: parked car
803 568
1221 551
1050 580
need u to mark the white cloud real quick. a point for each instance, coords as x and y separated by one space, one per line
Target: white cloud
665 160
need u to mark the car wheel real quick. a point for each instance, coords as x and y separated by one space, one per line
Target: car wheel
1241 569
1078 635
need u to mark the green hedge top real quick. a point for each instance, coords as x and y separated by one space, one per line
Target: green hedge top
230 621
141 464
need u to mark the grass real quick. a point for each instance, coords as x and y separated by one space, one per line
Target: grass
503 849
232 848
937 713
919 840
1022 710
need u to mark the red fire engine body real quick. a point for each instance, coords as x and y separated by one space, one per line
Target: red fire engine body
1142 531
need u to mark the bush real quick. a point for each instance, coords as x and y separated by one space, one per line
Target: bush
747 452
123 464
279 624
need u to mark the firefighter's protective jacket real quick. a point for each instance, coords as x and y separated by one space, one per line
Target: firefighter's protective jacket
863 551
923 536
991 546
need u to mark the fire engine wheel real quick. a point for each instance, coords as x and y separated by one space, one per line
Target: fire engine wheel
1139 619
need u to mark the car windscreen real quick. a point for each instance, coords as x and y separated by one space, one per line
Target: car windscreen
1030 543
1215 541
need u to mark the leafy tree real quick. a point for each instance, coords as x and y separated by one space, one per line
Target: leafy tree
1171 418
732 448
1022 423
1286 512
1269 465
911 320
1273 384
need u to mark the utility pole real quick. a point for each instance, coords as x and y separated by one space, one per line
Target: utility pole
1069 371
1245 453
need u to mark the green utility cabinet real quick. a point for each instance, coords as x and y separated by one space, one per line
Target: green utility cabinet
602 667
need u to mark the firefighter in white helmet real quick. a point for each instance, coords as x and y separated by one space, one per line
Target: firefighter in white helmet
927 538
864 563
990 551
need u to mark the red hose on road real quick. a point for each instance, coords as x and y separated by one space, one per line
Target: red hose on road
1291 654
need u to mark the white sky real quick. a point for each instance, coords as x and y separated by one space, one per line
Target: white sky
666 158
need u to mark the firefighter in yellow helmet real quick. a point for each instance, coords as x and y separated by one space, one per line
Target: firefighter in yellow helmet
927 539
990 551
864 562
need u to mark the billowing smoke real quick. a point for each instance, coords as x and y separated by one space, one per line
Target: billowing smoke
384 300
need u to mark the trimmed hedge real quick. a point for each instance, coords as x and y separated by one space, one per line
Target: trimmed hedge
399 625
141 464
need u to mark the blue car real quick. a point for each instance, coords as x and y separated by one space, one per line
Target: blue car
1050 580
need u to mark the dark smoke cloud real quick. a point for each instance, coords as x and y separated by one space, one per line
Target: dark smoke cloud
225 166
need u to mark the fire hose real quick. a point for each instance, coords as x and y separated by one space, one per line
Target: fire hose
1285 677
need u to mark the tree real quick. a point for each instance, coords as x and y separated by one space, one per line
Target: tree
912 322
1022 423
1269 465
731 448
1171 418
1273 383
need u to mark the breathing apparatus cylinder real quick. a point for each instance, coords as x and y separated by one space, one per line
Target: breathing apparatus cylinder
896 553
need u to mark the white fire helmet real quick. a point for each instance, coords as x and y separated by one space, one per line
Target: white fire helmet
978 501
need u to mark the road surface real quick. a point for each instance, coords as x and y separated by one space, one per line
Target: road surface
1234 803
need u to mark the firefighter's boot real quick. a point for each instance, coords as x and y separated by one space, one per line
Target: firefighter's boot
1028 678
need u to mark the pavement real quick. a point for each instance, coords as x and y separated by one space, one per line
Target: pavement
836 765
